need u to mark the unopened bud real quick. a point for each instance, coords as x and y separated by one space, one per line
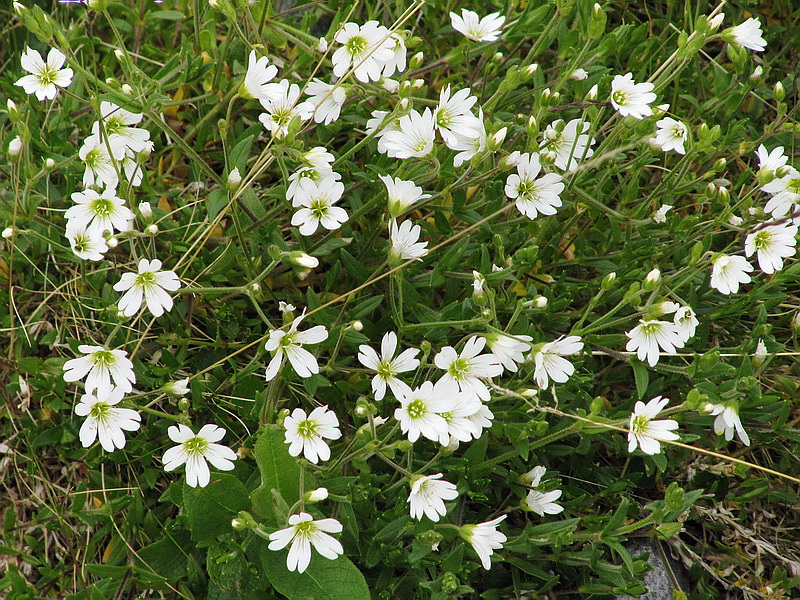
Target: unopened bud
357 326
151 229
540 302
119 54
783 171
511 161
49 164
530 69
532 127
735 221
497 139
597 22
13 111
317 495
15 146
608 281
145 210
390 85
579 74
592 94
126 89
322 45
112 243
756 74
301 259
8 233
184 404
176 388
234 179
416 60
715 21
720 164
760 355
497 57
779 93
404 103
652 279
418 83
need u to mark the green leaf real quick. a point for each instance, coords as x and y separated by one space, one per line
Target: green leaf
211 508
642 377
280 473
323 579
167 557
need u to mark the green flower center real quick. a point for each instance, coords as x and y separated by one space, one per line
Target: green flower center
195 446
92 159
762 240
650 328
620 97
356 45
303 528
526 189
100 411
640 424
47 76
793 186
307 428
319 208
385 370
81 242
417 408
102 207
458 368
287 340
146 279
114 125
444 118
103 358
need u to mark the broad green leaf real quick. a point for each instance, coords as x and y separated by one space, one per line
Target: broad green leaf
323 579
211 508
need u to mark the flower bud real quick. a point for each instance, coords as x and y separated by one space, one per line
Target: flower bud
532 127
779 93
49 164
404 104
715 21
579 74
301 259
540 302
756 74
416 61
243 521
285 308
592 94
119 54
795 325
8 233
608 281
145 210
126 89
357 326
478 295
176 388
418 83
234 179
597 22
322 45
652 279
184 404
511 161
783 171
497 57
15 146
735 221
151 229
497 139
112 243
760 355
13 111
317 495
390 85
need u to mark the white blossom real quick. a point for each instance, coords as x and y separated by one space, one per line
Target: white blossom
307 434
104 420
195 449
645 432
304 532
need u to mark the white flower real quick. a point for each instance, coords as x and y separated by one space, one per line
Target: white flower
99 366
318 157
282 107
453 114
728 272
44 76
465 414
99 212
122 138
307 175
485 539
401 194
285 308
467 368
303 532
671 135
652 278
728 422
472 142
685 322
760 355
316 202
256 80
630 98
579 74
534 196
105 420
317 495
549 361
428 495
771 161
87 244
305 433
773 243
414 137
387 366
100 169
648 336
15 146
195 450
785 193
508 348
645 432
398 61
544 503
569 145
289 343
327 99
660 215
476 29
150 283
405 241
368 48
747 34
418 413
533 477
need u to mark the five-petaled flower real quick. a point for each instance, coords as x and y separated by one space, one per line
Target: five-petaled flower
195 450
100 366
533 194
645 432
472 27
150 283
387 366
104 420
45 77
307 434
289 343
304 532
485 539
428 494
630 98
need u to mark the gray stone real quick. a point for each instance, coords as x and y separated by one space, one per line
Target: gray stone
659 581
